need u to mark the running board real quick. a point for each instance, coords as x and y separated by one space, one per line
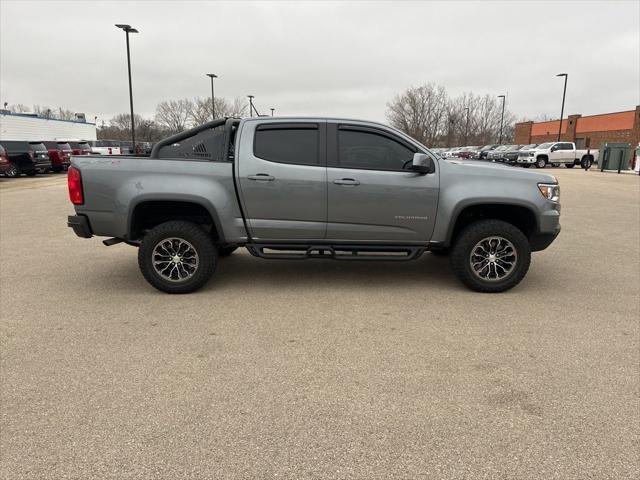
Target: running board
281 251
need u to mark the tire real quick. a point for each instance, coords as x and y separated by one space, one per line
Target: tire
477 233
193 239
226 251
541 162
13 172
31 173
569 165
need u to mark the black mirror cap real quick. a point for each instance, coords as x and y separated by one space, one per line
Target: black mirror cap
422 169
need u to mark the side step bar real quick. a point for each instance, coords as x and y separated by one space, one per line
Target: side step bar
335 252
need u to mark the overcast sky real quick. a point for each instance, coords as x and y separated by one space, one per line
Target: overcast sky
321 58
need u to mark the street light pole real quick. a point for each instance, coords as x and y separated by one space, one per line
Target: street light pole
466 128
272 110
250 105
501 117
564 93
128 29
213 103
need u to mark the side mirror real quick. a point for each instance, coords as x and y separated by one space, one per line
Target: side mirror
422 163
554 148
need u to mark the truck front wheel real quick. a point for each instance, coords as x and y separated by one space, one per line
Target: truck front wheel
541 162
491 256
177 257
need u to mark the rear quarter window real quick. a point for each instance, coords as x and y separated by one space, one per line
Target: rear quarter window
296 144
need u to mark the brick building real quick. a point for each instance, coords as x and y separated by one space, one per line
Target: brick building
587 132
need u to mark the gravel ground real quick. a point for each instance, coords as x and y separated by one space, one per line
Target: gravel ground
320 369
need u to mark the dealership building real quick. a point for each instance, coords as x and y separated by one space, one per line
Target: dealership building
590 131
31 127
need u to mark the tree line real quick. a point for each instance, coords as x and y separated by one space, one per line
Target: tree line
171 116
429 115
426 113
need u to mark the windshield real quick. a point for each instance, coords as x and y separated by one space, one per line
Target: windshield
546 145
64 146
37 146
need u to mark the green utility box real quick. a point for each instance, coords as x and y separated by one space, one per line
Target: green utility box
614 156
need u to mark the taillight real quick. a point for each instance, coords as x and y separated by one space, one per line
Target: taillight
74 181
109 150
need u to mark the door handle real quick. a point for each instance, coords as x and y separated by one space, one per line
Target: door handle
261 177
350 182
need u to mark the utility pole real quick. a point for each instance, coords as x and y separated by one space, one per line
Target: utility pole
501 118
213 103
564 93
250 105
128 29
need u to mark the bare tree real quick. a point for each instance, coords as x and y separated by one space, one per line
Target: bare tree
174 115
202 113
18 108
431 117
420 112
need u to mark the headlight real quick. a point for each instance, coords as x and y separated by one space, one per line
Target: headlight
531 154
550 191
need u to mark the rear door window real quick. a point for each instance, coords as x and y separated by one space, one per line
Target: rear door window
295 143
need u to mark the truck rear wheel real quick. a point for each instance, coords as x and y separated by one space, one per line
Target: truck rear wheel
177 257
491 256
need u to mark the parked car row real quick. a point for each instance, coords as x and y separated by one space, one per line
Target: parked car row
30 158
550 153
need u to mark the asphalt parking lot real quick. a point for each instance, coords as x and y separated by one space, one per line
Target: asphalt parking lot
320 369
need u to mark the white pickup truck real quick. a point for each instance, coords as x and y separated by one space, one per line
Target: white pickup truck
105 147
557 153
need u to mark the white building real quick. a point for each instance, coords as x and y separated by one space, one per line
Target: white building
29 127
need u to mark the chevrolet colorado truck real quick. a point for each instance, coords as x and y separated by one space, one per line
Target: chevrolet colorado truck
557 153
300 188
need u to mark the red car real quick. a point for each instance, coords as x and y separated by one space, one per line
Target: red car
60 155
4 161
80 148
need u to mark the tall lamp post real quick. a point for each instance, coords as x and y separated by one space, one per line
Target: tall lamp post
501 117
213 103
272 110
466 128
564 93
250 105
127 30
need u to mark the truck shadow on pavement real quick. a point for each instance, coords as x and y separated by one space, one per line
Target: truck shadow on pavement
241 270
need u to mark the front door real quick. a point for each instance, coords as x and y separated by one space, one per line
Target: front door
372 194
283 180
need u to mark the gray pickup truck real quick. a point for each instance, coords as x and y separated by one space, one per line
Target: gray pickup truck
299 188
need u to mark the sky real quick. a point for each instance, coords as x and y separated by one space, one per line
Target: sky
326 58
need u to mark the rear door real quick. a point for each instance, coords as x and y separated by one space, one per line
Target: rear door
372 196
282 179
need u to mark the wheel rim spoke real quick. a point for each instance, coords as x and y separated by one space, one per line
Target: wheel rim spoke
175 259
493 259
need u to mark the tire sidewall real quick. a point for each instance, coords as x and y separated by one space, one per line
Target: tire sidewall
197 237
474 233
